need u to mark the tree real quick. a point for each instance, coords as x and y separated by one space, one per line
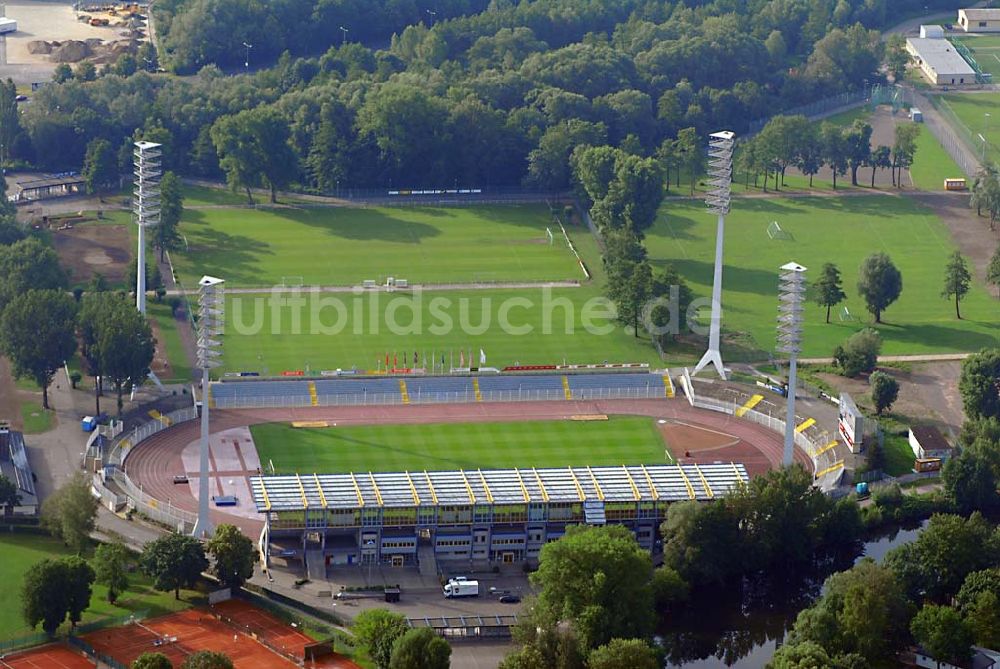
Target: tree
85 71
62 73
690 153
983 618
207 659
879 283
881 159
979 384
69 512
173 561
378 630
885 390
835 149
10 126
9 495
993 269
699 541
957 280
420 648
26 265
977 583
897 58
100 168
904 148
828 288
126 347
970 482
599 578
152 661
623 654
858 139
859 353
171 210
111 565
253 150
943 633
53 590
630 287
126 65
38 335
862 610
234 556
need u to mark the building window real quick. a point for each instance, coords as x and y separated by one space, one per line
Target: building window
982 24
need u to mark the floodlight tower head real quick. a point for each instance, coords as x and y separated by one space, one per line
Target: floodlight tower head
211 320
720 171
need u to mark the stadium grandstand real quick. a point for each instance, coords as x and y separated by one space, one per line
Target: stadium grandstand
361 390
484 516
14 465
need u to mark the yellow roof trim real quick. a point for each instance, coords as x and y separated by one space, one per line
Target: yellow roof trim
680 468
524 488
649 481
430 486
413 489
704 481
635 488
489 493
597 486
576 482
357 490
378 493
541 486
319 490
302 491
468 487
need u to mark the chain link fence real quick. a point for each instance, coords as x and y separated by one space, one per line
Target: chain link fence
964 146
817 108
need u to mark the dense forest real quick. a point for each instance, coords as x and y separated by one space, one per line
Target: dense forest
457 93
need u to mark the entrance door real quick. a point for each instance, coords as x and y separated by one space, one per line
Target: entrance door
507 558
397 560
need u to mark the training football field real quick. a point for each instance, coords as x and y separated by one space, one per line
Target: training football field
563 443
842 231
346 246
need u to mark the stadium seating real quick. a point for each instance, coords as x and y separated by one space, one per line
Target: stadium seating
526 387
358 391
595 386
260 394
440 389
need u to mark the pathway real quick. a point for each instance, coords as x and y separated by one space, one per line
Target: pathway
930 357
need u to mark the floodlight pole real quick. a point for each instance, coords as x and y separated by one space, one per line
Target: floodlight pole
791 293
720 172
211 321
145 209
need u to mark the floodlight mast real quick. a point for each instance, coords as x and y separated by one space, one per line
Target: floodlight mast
720 173
145 208
791 294
211 323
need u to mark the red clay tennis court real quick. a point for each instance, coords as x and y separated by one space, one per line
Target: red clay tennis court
53 656
251 637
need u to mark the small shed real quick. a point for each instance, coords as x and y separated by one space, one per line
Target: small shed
916 115
926 441
931 32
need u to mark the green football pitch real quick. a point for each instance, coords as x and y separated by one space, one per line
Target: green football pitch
842 231
986 51
438 446
346 246
976 115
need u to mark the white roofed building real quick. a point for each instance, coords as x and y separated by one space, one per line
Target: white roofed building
940 63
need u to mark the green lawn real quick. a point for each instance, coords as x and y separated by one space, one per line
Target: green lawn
20 551
445 322
931 163
898 455
620 440
986 51
35 419
342 246
180 367
838 230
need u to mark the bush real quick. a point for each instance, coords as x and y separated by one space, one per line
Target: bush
75 378
859 353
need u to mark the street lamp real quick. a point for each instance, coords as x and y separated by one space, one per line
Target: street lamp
246 63
343 35
211 324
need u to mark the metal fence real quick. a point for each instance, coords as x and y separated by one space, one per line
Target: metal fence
128 440
817 108
441 397
153 508
100 659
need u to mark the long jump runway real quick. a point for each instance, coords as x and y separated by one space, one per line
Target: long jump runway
693 435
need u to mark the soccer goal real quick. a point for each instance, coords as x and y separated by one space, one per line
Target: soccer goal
846 316
548 233
774 231
291 282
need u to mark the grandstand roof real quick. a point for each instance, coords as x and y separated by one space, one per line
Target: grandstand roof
633 483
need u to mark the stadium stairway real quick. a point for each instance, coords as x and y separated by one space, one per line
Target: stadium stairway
426 562
315 565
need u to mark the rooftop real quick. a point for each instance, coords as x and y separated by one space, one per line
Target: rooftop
636 483
930 438
982 14
940 55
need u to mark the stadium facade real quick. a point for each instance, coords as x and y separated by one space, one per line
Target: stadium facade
479 516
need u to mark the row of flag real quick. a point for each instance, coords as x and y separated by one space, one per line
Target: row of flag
415 360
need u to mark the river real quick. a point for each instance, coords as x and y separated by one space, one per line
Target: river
743 632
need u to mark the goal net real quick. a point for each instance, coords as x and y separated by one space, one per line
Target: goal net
774 231
846 316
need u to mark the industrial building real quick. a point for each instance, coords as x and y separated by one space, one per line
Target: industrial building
979 20
940 63
468 516
14 465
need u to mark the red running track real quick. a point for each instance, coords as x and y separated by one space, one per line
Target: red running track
154 462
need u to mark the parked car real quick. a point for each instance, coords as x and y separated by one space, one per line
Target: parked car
510 599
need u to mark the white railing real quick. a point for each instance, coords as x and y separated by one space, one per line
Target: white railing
128 440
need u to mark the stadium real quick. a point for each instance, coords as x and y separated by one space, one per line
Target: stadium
495 505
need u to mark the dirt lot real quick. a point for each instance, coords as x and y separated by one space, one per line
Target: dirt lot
927 394
971 233
47 20
90 248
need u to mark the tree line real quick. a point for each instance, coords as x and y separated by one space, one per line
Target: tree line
498 97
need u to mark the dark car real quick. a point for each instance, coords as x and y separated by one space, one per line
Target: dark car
21 98
510 599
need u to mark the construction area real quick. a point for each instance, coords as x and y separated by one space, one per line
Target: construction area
49 33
